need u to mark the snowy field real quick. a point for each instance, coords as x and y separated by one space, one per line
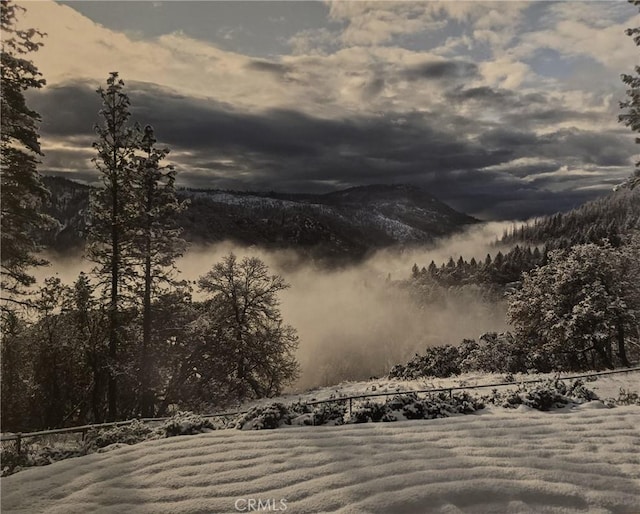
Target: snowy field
583 459
580 460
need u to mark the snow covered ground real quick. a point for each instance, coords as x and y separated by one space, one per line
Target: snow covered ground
581 459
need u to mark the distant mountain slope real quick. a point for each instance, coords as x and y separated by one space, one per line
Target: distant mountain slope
343 224
611 216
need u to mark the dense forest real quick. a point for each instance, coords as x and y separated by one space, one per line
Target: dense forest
574 296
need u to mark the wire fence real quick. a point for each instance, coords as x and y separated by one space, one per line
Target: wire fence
84 429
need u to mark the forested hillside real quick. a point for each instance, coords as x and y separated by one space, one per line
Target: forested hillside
344 225
608 217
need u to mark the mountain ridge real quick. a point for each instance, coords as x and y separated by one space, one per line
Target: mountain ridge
346 224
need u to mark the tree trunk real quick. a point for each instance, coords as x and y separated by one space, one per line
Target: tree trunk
146 395
112 386
622 351
602 353
146 402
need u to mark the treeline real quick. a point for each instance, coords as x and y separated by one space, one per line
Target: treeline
230 346
610 217
493 273
578 311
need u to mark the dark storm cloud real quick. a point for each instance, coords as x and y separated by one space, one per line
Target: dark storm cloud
496 97
66 110
553 115
507 138
527 170
567 146
441 70
66 160
215 145
275 68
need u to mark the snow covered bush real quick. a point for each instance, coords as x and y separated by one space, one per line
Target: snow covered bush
627 398
411 406
49 455
442 405
329 413
34 455
544 396
12 460
579 392
264 417
494 353
369 411
186 423
132 433
437 361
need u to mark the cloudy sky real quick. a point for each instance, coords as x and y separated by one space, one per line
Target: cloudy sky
503 110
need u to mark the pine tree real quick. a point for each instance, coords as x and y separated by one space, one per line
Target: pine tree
21 188
157 243
631 118
112 214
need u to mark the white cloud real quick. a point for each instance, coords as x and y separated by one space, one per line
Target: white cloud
581 32
505 72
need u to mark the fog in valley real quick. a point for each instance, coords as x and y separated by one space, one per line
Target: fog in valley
355 322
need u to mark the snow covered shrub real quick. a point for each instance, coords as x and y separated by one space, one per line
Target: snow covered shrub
442 405
494 353
579 392
369 411
329 413
411 406
49 455
31 454
437 361
627 398
545 396
186 423
399 401
265 417
132 433
12 460
542 398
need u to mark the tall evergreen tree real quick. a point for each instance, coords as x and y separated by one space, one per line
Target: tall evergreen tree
157 243
112 214
21 188
631 118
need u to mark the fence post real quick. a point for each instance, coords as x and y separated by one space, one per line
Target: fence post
18 442
350 400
